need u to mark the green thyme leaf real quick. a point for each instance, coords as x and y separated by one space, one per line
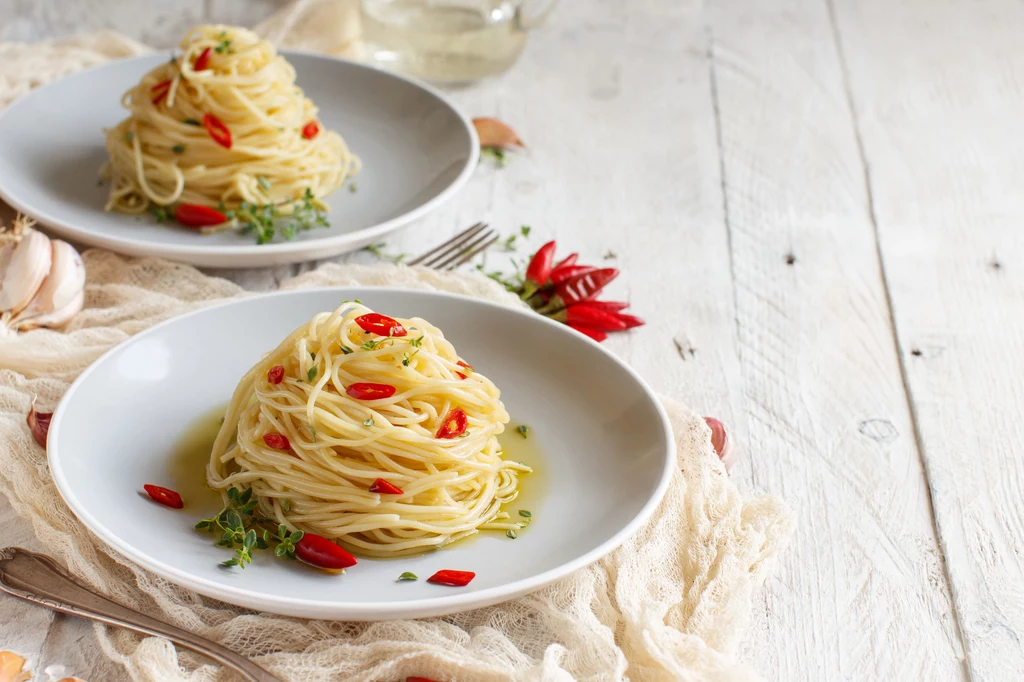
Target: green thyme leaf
159 213
178 149
263 182
408 576
346 350
525 513
352 188
192 122
417 342
311 374
525 231
129 136
512 534
523 430
286 504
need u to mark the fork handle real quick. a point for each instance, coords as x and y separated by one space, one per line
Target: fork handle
40 580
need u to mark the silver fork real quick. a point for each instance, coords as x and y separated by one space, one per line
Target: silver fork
459 249
38 579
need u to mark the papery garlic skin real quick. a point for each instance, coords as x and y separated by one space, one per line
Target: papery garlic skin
24 265
61 294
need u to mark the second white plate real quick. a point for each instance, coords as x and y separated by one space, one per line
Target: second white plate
417 151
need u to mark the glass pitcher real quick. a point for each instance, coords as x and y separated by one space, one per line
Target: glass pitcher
448 41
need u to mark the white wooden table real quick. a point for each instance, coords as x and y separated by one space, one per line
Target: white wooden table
818 205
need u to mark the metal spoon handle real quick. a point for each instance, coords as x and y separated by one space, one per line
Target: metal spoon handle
40 580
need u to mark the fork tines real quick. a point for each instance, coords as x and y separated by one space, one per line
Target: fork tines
458 249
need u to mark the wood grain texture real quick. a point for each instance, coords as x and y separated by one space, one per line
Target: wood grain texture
830 427
940 121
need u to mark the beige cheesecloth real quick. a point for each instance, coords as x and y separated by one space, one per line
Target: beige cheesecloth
671 604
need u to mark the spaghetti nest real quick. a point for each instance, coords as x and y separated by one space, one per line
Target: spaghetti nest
221 124
369 431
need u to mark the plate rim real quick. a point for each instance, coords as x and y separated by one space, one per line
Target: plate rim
307 608
250 255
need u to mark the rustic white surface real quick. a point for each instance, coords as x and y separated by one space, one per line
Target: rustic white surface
817 205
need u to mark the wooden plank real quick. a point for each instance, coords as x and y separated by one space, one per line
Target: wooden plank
939 100
830 427
160 24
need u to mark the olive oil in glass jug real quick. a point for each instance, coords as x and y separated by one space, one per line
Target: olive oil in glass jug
447 41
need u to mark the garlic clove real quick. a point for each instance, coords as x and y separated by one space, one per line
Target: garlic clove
12 668
25 266
494 133
60 295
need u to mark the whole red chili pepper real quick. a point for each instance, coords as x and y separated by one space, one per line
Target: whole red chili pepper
454 424
452 578
608 306
203 60
559 275
382 325
539 269
582 315
382 486
276 374
566 262
164 496
630 320
311 130
195 215
318 551
366 391
579 288
592 333
217 130
277 441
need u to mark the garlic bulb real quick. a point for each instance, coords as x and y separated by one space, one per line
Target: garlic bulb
42 281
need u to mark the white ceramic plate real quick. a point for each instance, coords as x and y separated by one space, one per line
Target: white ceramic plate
417 151
606 454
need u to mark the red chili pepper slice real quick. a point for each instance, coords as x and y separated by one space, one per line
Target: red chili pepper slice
161 88
203 60
276 374
454 425
277 441
375 323
582 315
195 215
164 496
460 363
592 333
311 130
370 391
318 551
630 320
385 488
452 578
539 269
570 271
218 131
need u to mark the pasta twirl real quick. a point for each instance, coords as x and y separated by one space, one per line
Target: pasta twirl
172 150
359 405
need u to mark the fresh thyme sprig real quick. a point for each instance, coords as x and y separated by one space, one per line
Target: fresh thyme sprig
265 220
245 532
